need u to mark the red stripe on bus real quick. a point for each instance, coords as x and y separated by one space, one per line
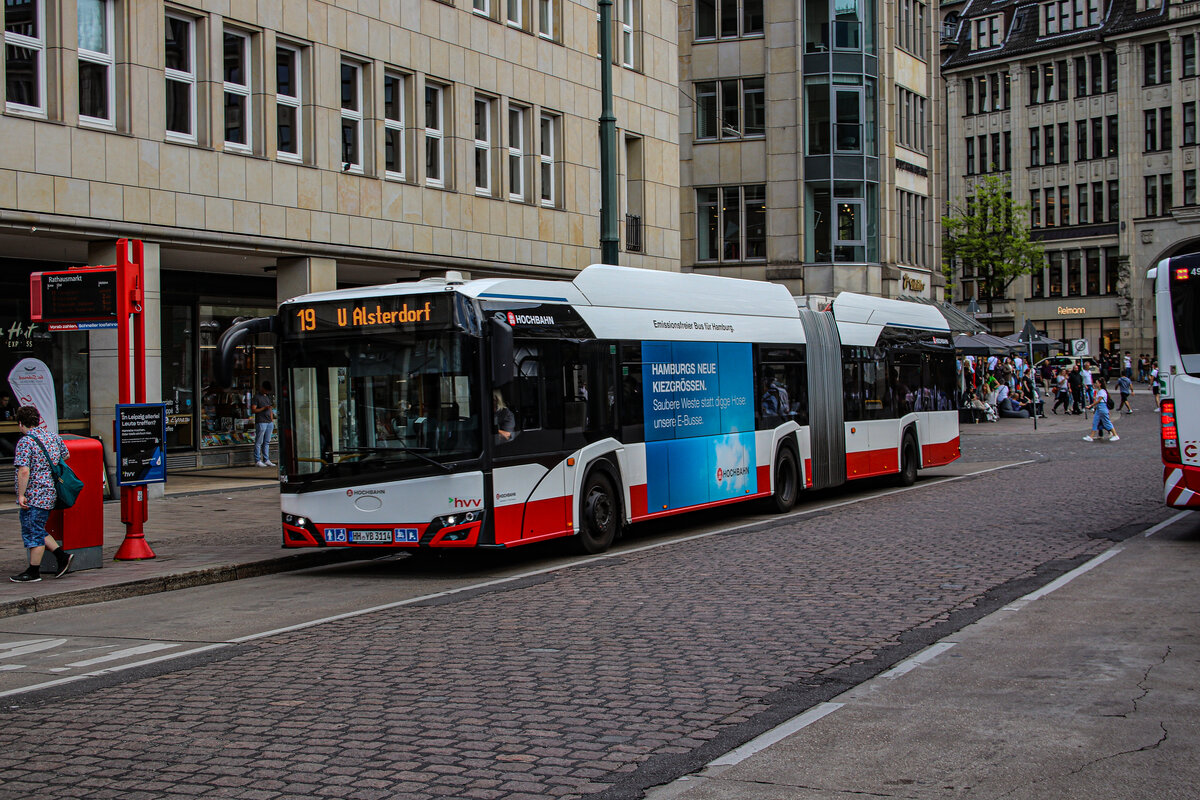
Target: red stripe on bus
934 455
546 517
1181 485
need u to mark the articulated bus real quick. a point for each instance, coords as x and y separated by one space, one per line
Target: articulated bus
1177 305
498 412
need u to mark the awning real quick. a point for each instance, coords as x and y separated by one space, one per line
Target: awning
982 344
957 320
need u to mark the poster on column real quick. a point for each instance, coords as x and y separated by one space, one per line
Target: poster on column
32 384
699 415
141 443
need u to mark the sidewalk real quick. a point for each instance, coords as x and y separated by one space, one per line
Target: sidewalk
211 526
1086 691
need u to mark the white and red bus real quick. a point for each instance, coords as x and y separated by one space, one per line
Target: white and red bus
1177 305
499 412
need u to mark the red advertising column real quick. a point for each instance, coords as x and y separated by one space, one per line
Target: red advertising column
131 296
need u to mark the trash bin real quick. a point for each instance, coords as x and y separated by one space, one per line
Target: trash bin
80 528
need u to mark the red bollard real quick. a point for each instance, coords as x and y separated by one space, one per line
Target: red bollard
134 511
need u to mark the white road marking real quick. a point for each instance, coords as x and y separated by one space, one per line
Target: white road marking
126 653
1062 580
14 649
914 661
774 736
1166 523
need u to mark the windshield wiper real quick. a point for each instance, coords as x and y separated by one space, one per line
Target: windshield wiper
402 446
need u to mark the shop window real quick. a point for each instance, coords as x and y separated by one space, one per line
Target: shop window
179 375
225 410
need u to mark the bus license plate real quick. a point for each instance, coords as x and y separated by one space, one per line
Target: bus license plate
371 537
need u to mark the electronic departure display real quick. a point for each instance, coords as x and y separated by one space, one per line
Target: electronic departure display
383 314
78 295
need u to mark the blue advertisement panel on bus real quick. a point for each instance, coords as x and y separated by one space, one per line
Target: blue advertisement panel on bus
698 400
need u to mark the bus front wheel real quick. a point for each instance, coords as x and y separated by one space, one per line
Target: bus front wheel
599 515
787 481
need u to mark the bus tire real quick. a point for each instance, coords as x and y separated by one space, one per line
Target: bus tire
787 482
908 461
599 514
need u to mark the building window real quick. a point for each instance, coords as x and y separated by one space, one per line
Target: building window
1051 202
484 107
1189 123
731 223
237 92
352 117
634 178
1081 201
483 7
1189 187
1035 208
1114 201
911 121
548 135
1097 73
180 74
969 96
987 33
96 62
25 56
729 19
1110 71
912 16
1113 143
1081 140
1166 186
513 13
1151 195
545 18
1048 139
1064 205
517 121
912 228
628 11
1158 129
970 144
435 135
289 133
394 102
1098 202
1156 63
730 109
1187 55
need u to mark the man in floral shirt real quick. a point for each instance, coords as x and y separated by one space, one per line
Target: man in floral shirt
36 492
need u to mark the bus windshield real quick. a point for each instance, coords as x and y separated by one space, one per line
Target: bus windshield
365 404
1185 308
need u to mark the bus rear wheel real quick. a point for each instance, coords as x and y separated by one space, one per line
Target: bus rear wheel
787 482
908 462
599 515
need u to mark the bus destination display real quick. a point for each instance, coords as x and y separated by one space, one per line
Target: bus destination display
79 295
378 313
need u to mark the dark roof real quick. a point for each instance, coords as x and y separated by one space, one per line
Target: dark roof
957 320
1021 34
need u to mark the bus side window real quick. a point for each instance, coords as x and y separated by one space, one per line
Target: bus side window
526 389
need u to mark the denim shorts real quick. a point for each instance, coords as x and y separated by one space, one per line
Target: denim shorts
33 526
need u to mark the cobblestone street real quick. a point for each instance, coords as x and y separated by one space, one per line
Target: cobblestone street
602 679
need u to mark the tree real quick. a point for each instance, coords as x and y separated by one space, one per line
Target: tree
990 239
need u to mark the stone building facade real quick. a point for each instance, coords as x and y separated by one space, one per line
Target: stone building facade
807 144
1089 108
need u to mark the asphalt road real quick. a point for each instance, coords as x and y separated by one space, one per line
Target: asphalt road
545 676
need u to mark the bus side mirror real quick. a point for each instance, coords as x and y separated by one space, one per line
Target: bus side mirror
502 353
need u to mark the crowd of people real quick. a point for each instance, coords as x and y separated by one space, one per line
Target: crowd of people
998 387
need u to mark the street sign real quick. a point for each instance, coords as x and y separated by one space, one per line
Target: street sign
1079 347
141 443
74 296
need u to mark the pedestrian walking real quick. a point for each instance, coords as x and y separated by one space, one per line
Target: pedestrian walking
1101 421
36 493
1062 393
1125 387
1075 382
1154 382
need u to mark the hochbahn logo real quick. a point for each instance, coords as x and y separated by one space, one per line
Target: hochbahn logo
732 472
530 319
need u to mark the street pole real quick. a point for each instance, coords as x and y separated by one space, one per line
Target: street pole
609 238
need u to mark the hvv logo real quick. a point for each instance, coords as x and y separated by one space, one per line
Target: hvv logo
469 502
